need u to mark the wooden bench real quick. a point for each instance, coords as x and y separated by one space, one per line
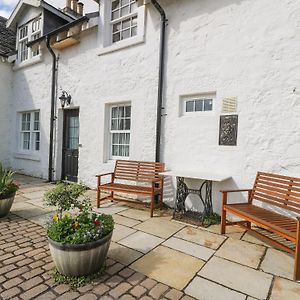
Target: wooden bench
146 173
281 193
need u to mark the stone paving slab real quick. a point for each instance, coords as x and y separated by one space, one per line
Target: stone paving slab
109 208
125 221
285 289
204 289
240 278
168 266
123 254
159 227
201 237
140 215
283 267
235 250
189 248
141 241
120 232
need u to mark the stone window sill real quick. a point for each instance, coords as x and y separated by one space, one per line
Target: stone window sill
27 63
121 45
27 156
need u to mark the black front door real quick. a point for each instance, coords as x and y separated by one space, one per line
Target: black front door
70 145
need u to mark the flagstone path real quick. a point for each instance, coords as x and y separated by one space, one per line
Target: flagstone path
149 258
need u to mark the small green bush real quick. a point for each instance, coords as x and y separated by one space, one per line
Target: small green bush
7 186
81 227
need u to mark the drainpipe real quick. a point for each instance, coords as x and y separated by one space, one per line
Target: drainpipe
160 76
52 118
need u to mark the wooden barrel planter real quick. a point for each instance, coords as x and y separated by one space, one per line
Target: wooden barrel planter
5 205
81 259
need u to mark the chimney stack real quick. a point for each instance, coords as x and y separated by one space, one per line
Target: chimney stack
80 8
74 5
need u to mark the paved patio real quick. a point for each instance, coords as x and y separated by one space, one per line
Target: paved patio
148 259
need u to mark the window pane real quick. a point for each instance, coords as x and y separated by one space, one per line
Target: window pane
26 140
117 27
36 125
116 37
208 104
114 112
115 151
127 111
127 124
126 34
125 2
115 4
115 15
126 150
199 105
114 124
115 139
126 24
133 31
125 11
37 141
133 6
189 106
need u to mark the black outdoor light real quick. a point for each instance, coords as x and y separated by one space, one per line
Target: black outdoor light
65 99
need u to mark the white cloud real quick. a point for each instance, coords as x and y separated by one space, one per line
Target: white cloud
4 13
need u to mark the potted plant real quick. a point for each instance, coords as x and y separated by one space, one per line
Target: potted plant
8 191
78 238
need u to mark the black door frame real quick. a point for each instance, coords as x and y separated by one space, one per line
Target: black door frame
64 138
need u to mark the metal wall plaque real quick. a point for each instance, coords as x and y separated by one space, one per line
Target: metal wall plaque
228 130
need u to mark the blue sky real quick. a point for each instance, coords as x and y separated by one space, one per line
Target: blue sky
7 6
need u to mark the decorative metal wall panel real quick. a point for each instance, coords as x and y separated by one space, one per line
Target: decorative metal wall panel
228 130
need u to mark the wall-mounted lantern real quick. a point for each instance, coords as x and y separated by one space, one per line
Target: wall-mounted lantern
65 99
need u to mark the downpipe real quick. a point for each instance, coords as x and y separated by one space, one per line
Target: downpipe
160 77
52 117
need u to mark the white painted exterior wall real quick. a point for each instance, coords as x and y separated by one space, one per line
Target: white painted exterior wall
5 110
244 49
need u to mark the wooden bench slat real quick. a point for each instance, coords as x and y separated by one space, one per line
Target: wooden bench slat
287 194
281 186
278 180
253 213
289 191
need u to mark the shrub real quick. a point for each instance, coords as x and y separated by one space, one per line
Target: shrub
75 228
7 186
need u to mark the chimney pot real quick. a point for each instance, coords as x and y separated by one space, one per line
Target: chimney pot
74 5
68 4
80 8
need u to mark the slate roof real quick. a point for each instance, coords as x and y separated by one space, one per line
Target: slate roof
7 39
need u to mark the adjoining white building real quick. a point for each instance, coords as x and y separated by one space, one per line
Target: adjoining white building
231 94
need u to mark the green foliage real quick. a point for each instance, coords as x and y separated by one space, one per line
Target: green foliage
66 196
211 220
7 186
76 282
77 228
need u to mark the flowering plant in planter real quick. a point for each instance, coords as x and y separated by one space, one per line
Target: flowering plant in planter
8 190
78 237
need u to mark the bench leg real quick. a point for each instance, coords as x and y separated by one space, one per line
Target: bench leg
112 196
297 253
224 213
248 224
152 205
98 192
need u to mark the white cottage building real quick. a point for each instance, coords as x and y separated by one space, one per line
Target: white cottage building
230 88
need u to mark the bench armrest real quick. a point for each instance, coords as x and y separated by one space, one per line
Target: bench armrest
104 174
225 193
234 191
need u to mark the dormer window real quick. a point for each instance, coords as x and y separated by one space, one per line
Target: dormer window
29 32
123 19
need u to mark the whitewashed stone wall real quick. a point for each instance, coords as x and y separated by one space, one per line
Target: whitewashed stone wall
5 110
235 48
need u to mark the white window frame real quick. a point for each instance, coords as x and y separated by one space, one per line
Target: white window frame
105 22
196 97
111 131
31 36
33 132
